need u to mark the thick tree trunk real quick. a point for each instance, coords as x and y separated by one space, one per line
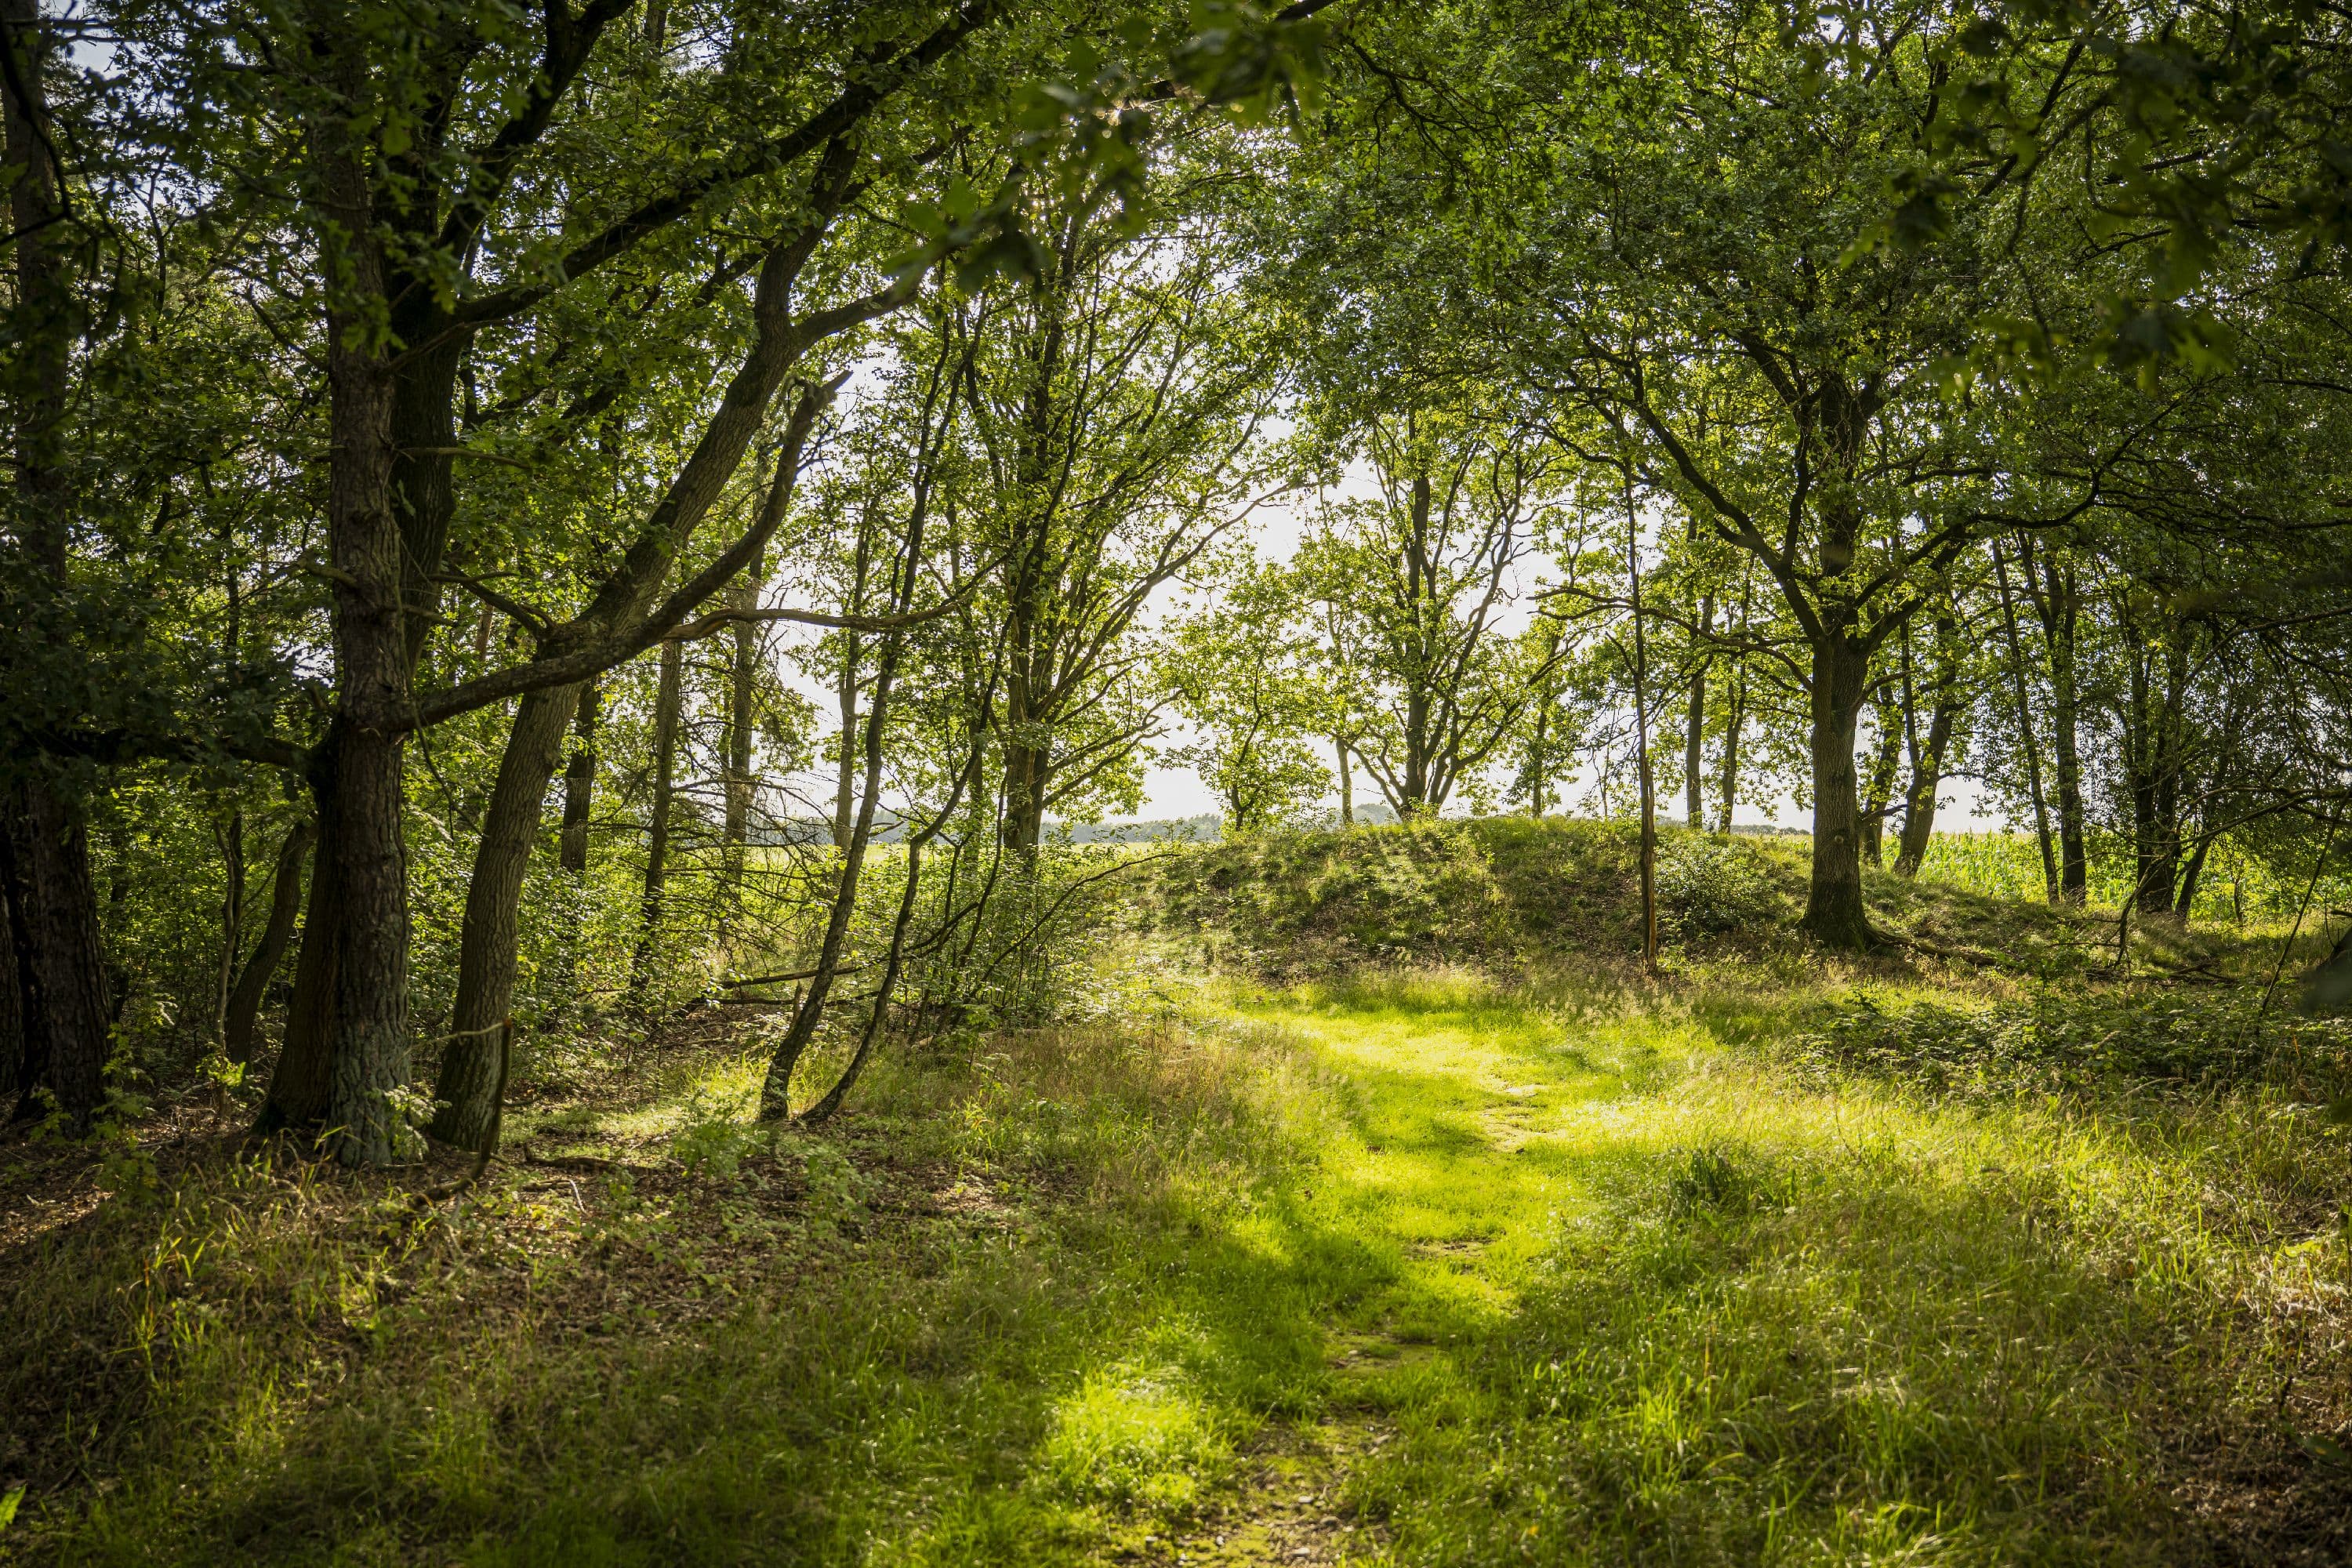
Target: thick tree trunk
245 997
61 919
369 1050
668 699
1347 784
1026 771
1834 912
488 946
61 903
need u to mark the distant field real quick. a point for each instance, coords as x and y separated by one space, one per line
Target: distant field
2009 865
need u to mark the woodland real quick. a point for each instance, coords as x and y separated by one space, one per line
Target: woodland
596 597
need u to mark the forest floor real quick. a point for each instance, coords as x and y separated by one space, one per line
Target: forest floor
1417 1267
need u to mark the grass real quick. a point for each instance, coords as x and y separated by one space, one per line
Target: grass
1413 1266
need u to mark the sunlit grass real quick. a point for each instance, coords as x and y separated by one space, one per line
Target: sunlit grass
1611 1278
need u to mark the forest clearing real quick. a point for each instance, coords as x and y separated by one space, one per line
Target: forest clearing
1166 782
1765 1260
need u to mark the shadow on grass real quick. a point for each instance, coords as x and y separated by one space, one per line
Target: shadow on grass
1617 1293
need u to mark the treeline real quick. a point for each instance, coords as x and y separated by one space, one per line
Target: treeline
455 449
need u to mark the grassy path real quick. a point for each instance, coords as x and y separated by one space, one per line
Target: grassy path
1414 1270
1644 1300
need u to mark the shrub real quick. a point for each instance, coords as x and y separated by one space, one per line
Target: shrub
2065 1040
1709 885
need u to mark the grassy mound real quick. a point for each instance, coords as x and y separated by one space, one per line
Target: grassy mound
1488 889
1511 891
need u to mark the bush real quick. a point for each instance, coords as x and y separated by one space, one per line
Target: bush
1710 886
2067 1040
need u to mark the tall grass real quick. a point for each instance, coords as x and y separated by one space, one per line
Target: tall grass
2235 885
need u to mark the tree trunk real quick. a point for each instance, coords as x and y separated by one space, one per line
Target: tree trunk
1694 755
245 996
1734 722
230 834
2187 901
1876 804
2028 741
1347 784
824 1107
1695 721
297 1100
1926 777
2060 606
668 699
1649 843
68 960
580 784
21 1054
488 946
775 1090
1834 912
742 686
61 901
369 1050
845 772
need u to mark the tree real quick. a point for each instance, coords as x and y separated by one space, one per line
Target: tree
1242 669
1416 582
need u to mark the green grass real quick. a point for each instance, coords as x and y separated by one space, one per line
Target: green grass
1561 1270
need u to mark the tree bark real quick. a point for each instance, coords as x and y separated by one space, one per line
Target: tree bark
667 697
742 686
489 944
2029 741
21 1053
1834 912
61 901
2191 876
775 1089
1735 721
230 834
297 1100
580 784
1695 721
1926 777
1649 844
1694 754
2057 603
1347 784
1880 794
830 1102
245 997
369 1045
